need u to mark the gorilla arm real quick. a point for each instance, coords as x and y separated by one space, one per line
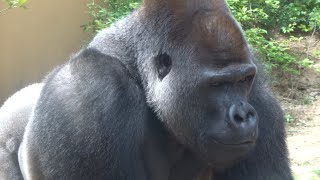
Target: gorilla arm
14 115
89 124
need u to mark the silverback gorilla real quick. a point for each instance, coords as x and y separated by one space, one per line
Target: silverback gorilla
171 92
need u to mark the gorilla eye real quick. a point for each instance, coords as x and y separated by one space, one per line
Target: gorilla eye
163 64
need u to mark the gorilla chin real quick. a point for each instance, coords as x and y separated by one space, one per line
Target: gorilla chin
221 156
222 151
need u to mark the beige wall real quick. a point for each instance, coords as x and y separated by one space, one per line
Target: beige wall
34 41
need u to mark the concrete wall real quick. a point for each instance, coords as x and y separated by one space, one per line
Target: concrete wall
34 41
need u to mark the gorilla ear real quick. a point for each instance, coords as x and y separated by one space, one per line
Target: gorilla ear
163 63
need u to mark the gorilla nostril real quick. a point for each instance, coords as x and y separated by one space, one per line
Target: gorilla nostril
238 118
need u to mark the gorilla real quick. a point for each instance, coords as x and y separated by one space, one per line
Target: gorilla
14 116
171 92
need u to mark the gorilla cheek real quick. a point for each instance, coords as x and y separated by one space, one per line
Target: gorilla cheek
182 119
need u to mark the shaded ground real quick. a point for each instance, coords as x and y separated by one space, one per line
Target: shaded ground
300 99
304 144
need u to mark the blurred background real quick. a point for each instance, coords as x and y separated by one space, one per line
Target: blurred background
35 40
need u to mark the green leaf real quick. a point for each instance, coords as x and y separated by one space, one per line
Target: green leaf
21 2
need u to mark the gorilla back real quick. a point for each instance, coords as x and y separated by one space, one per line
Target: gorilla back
169 92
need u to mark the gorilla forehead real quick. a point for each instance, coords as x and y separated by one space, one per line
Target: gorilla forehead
210 35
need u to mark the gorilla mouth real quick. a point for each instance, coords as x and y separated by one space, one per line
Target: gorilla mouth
243 144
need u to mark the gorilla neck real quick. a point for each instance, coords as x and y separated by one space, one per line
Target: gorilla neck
167 159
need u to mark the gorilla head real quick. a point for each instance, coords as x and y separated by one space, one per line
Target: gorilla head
200 83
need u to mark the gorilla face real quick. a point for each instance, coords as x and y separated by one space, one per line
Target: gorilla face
206 108
201 95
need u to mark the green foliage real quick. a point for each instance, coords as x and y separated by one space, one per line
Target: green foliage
299 15
307 100
262 18
288 118
317 172
13 4
273 52
107 12
317 53
259 19
284 15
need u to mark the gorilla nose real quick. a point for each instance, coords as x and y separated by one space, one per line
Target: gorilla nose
242 115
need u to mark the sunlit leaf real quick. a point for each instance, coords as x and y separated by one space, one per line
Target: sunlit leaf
21 2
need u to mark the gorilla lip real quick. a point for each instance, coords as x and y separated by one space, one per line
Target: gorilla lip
241 144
